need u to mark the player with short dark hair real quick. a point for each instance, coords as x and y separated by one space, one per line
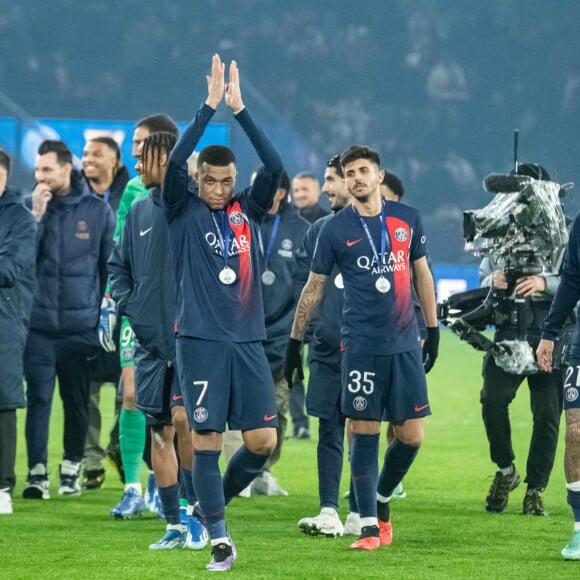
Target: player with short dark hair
143 285
220 318
376 244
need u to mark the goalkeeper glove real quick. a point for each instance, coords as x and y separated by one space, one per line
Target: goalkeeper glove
107 322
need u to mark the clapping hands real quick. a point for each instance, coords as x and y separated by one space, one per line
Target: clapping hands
216 86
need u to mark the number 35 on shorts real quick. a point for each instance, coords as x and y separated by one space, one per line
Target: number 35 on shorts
361 381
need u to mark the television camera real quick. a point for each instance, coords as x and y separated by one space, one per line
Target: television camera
523 227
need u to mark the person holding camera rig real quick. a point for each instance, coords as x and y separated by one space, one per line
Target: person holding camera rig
534 293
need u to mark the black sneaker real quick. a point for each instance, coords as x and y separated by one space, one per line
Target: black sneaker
534 503
37 483
222 558
497 498
93 478
114 457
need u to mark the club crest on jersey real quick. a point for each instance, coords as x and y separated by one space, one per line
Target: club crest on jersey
286 250
200 415
401 234
82 230
236 218
359 403
571 394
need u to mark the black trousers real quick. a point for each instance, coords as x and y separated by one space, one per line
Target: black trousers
499 390
7 449
47 357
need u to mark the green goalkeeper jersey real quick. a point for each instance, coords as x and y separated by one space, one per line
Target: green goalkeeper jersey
134 190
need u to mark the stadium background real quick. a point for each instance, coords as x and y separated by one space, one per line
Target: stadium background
436 89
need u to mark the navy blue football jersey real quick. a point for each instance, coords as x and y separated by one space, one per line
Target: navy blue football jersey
379 315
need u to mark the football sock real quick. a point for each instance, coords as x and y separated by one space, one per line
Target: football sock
383 509
398 459
169 497
352 505
132 442
241 471
507 470
186 485
574 502
208 483
364 470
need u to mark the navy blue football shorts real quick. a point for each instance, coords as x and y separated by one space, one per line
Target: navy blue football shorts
324 388
388 387
226 382
157 387
572 384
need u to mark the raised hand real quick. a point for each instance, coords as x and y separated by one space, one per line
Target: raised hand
41 195
215 82
233 92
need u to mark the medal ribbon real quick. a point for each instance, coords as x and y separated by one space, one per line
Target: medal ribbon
271 241
225 237
385 240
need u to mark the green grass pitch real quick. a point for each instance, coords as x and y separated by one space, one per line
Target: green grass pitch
441 530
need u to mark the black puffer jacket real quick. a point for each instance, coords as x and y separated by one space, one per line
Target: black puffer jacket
75 239
17 257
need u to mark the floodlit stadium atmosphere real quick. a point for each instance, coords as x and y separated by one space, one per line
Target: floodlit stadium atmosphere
289 290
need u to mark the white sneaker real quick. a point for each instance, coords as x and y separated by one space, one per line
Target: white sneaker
352 524
266 484
326 523
399 492
246 492
5 502
69 478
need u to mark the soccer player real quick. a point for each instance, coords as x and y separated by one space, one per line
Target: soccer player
223 369
565 300
281 233
132 428
324 383
143 286
376 244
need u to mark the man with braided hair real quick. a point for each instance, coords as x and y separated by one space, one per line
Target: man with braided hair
132 430
143 285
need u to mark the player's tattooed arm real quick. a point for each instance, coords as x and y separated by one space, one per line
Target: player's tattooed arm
309 300
572 454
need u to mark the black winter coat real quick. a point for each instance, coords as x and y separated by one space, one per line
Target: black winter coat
75 239
17 258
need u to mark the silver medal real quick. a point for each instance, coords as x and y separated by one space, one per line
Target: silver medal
268 277
382 285
227 276
339 282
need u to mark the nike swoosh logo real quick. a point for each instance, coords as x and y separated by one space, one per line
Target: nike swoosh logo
177 397
419 409
144 232
350 243
269 417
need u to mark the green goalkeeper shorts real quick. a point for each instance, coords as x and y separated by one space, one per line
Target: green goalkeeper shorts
126 343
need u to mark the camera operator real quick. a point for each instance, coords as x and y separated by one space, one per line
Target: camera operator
500 387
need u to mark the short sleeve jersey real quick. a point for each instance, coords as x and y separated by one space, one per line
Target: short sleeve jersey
374 322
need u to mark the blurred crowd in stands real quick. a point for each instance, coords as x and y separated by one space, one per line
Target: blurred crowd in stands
438 90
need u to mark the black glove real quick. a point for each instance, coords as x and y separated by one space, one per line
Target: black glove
430 348
293 361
